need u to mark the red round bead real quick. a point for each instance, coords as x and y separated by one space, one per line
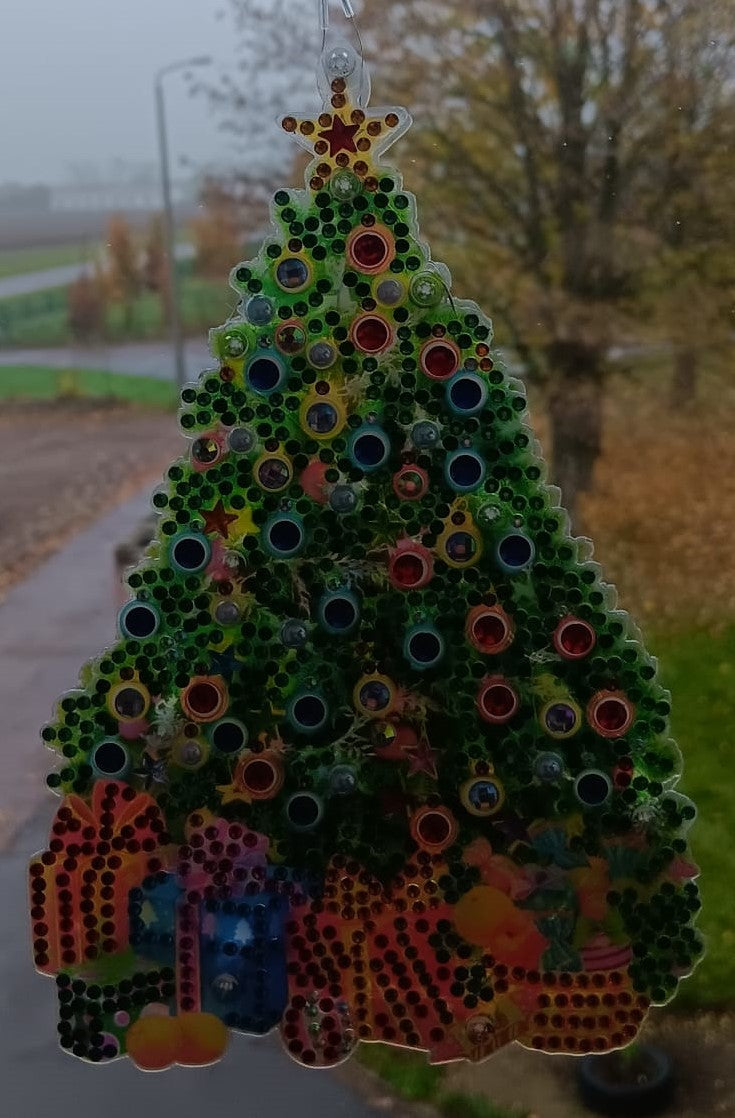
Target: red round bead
371 250
574 639
440 359
371 334
497 701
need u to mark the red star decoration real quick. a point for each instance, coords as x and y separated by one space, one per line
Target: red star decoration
341 136
219 520
423 760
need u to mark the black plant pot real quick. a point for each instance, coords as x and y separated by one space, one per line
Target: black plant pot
633 1085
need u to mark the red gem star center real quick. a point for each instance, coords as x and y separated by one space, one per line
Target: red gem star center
341 136
218 520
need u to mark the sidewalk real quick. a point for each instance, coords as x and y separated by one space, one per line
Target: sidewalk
143 359
49 626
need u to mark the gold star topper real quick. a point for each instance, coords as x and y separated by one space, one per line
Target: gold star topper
346 136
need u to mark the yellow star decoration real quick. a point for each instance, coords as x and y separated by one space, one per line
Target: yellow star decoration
234 793
347 138
242 525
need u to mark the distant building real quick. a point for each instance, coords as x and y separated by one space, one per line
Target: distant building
17 199
114 197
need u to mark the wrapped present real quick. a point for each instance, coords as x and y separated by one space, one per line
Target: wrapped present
218 919
80 885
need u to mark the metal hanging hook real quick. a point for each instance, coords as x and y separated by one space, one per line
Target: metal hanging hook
351 15
348 10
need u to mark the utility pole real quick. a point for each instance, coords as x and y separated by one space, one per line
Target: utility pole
177 334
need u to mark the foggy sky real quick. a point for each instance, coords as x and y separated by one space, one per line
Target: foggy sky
76 82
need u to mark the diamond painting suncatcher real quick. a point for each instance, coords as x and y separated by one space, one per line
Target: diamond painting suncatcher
374 757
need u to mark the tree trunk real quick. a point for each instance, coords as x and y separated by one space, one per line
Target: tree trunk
684 380
575 409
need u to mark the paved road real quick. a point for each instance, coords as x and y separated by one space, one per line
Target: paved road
147 359
61 276
38 1080
48 627
40 281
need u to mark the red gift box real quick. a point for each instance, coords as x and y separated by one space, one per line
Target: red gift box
80 885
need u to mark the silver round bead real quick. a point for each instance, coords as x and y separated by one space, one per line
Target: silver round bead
241 440
343 499
340 62
294 633
227 613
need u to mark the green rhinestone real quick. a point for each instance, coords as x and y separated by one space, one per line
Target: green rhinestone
427 289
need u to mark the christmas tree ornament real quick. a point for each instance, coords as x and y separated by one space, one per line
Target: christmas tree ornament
375 756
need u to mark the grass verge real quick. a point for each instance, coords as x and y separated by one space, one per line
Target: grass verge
21 261
29 382
413 1078
40 318
699 669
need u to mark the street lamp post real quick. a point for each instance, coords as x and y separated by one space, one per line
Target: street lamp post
177 336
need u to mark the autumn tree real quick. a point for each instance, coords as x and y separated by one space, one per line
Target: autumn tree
154 262
555 173
123 266
155 265
544 148
218 230
86 307
691 272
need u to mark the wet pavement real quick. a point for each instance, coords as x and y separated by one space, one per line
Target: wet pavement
145 359
48 626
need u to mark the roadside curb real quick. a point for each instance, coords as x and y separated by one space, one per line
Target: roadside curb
50 625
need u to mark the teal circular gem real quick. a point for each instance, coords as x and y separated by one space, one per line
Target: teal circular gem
307 711
110 760
342 780
190 552
138 620
229 736
593 788
464 470
515 552
466 393
369 447
283 535
265 373
339 611
423 647
304 811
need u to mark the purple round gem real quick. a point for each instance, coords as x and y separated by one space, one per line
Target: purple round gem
561 718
